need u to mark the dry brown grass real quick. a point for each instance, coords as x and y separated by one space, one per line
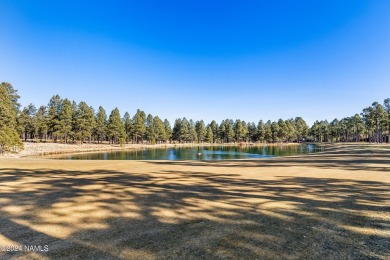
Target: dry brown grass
333 205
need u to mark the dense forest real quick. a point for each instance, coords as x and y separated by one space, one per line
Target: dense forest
66 121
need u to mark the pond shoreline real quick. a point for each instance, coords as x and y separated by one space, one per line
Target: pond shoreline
32 149
198 152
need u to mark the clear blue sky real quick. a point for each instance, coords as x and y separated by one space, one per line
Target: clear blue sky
201 59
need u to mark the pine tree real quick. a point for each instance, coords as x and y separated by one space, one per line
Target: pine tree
334 130
159 129
282 130
176 130
245 131
209 135
184 134
139 128
192 132
386 105
31 124
214 126
65 120
127 123
315 131
75 122
115 127
150 135
325 130
291 130
229 131
260 131
222 131
42 122
268 131
101 124
378 116
85 122
275 131
55 104
12 94
21 122
9 138
251 132
7 110
239 130
369 122
358 127
200 130
301 128
168 130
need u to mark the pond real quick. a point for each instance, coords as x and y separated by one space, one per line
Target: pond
201 153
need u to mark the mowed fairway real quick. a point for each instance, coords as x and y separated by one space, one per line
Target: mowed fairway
334 205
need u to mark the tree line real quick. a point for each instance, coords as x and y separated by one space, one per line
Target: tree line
372 125
66 121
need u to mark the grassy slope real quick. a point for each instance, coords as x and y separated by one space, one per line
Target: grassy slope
327 206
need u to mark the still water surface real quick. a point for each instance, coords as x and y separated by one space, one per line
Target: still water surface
201 153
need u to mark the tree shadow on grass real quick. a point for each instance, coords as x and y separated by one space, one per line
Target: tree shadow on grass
192 215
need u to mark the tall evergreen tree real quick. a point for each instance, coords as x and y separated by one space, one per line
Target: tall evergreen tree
369 122
85 122
75 122
358 127
282 130
115 127
65 120
138 127
150 134
168 129
42 122
378 115
335 130
184 134
176 130
127 123
301 128
21 123
251 132
268 131
159 129
12 94
9 138
315 131
54 106
229 131
209 135
101 124
30 126
200 129
260 131
215 129
239 130
386 104
275 131
192 132
291 130
324 125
